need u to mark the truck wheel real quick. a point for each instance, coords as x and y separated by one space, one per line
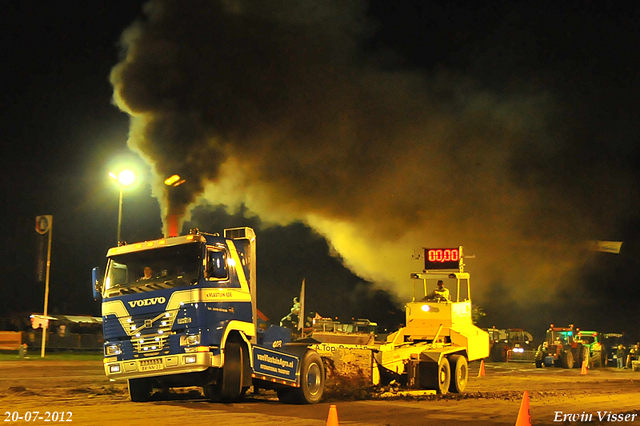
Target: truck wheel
140 390
567 359
312 377
311 382
228 386
231 386
458 365
438 376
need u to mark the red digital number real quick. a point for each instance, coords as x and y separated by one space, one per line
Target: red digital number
443 255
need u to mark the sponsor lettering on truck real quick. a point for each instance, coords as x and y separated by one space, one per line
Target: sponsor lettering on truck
181 311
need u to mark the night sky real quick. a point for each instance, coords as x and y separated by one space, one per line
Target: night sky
349 134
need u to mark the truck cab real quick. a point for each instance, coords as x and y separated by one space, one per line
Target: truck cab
181 311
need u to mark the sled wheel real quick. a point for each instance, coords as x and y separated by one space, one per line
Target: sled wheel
459 368
438 376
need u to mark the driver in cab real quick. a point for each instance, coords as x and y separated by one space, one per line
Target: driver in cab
440 294
148 274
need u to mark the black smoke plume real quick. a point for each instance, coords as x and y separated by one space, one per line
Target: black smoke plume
278 106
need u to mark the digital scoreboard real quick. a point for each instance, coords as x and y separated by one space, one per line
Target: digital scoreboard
442 258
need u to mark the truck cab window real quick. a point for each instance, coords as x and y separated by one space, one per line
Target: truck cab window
164 267
217 265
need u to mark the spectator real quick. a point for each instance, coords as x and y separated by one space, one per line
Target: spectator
620 356
633 355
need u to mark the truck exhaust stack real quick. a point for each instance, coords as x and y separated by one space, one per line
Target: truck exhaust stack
172 226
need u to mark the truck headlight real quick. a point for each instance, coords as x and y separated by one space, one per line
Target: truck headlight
114 349
190 339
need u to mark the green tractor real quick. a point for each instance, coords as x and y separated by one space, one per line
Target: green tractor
593 341
561 349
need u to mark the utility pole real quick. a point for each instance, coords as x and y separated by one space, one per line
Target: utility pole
44 224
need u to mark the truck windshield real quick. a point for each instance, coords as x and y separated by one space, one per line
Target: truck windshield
153 269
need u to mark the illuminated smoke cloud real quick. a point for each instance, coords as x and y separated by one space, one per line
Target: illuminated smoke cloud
273 104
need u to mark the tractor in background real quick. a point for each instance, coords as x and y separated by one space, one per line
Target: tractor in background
561 349
597 349
510 344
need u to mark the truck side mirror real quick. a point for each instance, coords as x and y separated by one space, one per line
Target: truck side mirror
96 283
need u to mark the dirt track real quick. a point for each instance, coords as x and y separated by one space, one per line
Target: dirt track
80 388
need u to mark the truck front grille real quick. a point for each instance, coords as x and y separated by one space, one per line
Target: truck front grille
149 343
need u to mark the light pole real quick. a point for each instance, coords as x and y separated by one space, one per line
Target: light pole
125 178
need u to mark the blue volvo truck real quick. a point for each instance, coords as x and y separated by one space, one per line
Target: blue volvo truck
181 311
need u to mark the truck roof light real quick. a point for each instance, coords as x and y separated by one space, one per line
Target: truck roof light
172 180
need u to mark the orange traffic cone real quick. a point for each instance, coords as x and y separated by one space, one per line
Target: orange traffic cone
524 416
583 371
332 420
481 371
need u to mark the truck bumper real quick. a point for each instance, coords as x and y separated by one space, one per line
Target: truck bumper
159 366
